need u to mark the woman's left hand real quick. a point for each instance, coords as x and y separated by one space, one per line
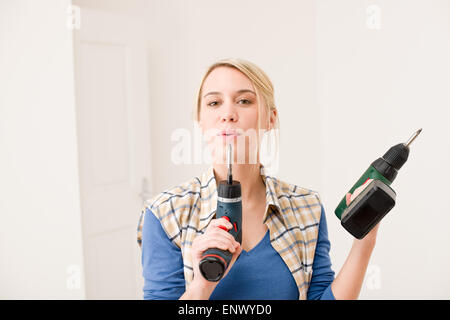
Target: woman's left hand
370 238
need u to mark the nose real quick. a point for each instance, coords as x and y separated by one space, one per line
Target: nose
229 114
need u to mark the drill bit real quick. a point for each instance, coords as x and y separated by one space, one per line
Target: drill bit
229 160
414 136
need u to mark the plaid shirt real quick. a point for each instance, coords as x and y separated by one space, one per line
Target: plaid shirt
292 216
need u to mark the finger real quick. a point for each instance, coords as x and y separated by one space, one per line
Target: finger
219 233
220 222
224 228
228 238
235 256
354 195
347 198
363 186
360 189
219 243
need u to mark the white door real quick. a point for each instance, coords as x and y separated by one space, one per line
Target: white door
114 149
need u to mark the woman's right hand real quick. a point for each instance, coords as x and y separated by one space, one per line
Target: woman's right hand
214 237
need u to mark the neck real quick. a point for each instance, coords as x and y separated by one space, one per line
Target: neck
247 174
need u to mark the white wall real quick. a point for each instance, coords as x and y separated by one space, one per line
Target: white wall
185 37
40 233
337 83
377 87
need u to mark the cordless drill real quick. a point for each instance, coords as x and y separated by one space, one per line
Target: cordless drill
378 198
215 261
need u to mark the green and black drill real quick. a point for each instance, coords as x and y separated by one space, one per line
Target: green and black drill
378 198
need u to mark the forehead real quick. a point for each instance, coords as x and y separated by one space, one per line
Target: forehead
226 79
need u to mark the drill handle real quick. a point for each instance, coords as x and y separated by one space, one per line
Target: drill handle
233 213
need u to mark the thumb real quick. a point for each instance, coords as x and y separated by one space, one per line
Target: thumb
359 190
347 198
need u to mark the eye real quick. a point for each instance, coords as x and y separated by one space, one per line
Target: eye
211 104
245 101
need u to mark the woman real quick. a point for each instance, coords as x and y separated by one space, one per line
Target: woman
285 248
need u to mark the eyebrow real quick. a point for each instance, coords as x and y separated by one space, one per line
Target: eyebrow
239 91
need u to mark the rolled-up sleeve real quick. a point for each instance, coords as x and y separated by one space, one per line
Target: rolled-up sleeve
162 262
323 275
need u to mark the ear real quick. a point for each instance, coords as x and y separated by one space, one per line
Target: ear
273 117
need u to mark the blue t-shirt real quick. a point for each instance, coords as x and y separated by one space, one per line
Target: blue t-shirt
259 274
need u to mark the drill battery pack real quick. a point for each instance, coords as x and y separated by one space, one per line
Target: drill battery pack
368 208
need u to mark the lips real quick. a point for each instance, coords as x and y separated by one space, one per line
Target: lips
228 132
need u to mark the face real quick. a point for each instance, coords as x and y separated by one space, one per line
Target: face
229 114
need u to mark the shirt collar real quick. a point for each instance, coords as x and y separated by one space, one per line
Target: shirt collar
208 192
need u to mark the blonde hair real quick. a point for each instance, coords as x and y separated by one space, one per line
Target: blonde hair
261 82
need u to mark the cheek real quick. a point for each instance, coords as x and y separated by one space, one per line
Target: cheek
208 117
209 131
